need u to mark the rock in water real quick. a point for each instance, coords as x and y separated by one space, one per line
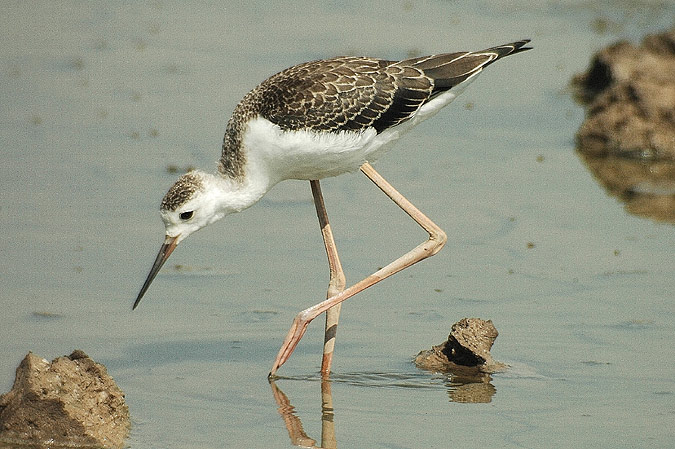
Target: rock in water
628 137
71 401
467 347
630 93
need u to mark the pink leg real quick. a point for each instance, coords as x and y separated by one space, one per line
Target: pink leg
336 284
429 247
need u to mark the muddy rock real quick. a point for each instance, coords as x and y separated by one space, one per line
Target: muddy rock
630 95
466 349
71 401
628 137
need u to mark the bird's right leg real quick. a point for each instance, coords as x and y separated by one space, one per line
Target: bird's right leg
336 284
428 248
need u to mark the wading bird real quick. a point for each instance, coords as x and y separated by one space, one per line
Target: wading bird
312 121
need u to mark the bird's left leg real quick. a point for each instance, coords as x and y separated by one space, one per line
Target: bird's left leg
336 284
429 247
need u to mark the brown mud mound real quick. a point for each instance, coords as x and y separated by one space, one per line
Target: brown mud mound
466 349
628 137
70 402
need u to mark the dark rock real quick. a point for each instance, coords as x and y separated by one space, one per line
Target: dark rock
71 401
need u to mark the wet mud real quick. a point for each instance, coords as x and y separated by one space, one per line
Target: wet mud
68 402
628 137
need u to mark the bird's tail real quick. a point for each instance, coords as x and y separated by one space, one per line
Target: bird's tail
451 69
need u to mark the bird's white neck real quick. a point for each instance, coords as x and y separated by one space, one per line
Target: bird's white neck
236 194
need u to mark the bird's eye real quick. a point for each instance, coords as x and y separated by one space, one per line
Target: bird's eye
186 215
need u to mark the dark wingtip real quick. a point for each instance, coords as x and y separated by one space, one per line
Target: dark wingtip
519 46
507 49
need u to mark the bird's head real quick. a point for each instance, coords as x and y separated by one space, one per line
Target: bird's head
191 203
194 201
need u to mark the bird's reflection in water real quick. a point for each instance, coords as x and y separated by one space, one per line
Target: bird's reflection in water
464 386
294 426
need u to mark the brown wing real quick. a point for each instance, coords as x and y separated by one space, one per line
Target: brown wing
351 93
343 94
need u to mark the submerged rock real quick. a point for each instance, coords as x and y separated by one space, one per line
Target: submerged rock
71 401
628 137
466 349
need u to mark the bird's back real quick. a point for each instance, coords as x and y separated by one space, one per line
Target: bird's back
352 94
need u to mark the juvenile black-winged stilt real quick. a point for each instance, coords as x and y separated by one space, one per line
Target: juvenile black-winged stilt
312 121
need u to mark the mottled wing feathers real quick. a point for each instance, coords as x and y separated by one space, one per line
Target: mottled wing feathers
342 94
412 89
351 94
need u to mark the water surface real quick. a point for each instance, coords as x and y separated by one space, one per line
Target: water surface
101 101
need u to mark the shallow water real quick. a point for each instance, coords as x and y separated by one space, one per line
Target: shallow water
100 100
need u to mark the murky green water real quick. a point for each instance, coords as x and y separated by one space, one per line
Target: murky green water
99 99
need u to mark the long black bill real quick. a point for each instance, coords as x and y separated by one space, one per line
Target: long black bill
164 253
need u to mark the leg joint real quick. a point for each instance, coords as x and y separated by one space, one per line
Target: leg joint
437 239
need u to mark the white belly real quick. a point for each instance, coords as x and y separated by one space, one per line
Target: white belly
306 154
